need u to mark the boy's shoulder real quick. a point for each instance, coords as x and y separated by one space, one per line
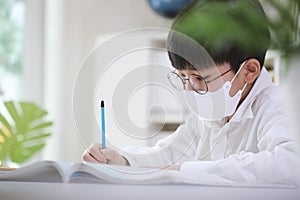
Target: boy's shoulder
270 99
265 92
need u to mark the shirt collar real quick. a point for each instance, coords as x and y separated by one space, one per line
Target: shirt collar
245 110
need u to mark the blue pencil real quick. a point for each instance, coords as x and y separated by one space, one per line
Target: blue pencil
103 125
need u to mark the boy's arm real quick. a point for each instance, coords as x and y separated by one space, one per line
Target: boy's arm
174 149
276 162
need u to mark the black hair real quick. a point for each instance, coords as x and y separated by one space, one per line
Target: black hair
230 31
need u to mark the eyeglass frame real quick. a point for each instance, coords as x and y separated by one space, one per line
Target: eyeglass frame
185 80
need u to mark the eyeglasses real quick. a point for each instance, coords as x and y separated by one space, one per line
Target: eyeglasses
197 82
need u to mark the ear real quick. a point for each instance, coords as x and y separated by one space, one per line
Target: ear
251 70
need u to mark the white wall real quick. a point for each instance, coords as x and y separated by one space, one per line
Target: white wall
71 30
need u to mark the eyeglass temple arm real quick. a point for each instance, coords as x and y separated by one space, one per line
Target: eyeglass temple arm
218 76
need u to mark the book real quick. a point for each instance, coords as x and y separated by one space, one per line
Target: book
62 172
52 171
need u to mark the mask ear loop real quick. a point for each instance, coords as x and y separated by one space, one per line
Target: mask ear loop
211 149
200 157
242 65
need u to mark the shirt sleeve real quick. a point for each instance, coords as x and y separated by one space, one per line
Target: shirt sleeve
276 161
173 149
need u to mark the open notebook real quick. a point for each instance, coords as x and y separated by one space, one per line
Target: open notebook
52 171
60 172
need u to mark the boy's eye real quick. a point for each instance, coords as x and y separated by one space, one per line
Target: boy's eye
199 78
183 75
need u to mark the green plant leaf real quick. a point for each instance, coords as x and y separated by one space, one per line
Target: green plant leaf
5 122
2 152
2 145
3 134
40 136
40 126
22 154
27 109
28 129
11 108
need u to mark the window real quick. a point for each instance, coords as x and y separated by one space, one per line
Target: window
12 14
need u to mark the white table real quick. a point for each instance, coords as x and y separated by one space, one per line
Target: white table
45 191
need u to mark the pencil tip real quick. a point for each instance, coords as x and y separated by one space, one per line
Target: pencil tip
102 103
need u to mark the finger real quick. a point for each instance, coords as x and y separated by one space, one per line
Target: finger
95 151
172 167
86 156
108 153
113 157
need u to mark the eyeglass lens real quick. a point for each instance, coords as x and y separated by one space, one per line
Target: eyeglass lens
197 83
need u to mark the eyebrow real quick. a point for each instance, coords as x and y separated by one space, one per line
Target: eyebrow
205 77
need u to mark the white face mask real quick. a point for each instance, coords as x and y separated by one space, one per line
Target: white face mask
215 105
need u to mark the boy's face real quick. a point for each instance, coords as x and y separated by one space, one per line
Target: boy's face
214 77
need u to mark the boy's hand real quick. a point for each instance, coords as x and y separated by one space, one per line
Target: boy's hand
172 167
109 156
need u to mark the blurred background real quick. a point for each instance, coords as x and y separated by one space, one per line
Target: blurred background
43 44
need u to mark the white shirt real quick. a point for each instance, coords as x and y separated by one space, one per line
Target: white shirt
254 146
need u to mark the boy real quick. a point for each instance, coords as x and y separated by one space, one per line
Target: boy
239 128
